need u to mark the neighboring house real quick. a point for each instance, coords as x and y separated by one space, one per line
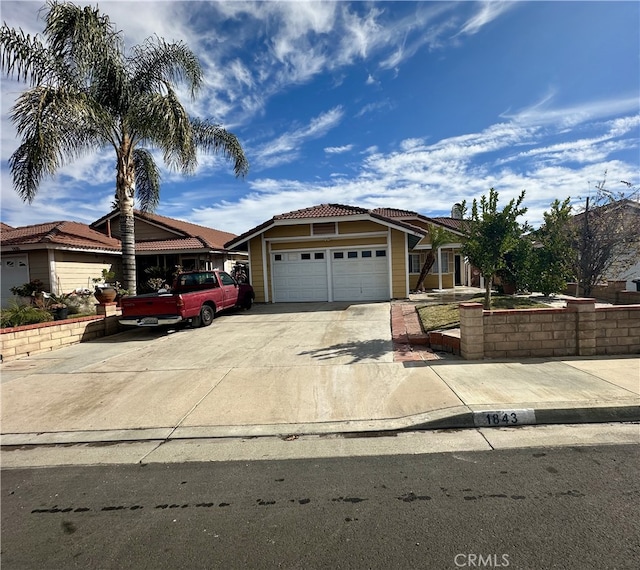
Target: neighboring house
63 255
334 252
624 213
167 243
68 255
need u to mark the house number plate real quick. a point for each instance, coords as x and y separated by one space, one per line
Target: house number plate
504 418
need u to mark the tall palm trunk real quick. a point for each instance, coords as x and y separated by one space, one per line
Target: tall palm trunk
125 191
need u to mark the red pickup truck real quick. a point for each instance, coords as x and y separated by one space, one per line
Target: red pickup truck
195 296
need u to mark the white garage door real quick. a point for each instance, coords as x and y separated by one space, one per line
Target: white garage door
15 271
360 275
300 276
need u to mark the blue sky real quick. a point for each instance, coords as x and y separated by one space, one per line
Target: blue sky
413 105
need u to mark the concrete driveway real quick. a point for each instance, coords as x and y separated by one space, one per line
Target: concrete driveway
276 364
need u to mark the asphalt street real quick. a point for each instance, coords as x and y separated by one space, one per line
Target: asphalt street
566 508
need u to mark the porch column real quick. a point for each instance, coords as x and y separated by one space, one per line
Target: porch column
53 280
440 268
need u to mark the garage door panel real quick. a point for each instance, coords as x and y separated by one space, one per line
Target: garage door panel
360 275
298 280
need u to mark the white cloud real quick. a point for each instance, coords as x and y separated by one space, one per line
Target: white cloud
338 149
489 11
286 147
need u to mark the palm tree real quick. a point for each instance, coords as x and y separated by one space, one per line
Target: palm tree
439 237
86 93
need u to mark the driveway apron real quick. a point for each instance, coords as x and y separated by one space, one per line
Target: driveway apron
274 364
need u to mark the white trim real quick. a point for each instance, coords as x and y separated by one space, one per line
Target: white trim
406 260
325 237
440 268
40 246
264 253
53 281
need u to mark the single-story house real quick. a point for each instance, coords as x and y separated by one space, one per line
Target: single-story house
67 255
334 252
63 255
166 243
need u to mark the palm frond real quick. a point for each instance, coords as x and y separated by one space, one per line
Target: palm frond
83 37
157 63
23 57
147 180
162 121
213 138
56 126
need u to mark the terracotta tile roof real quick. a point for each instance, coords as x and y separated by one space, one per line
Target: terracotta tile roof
451 223
395 213
325 211
322 211
210 237
5 227
71 234
171 245
215 239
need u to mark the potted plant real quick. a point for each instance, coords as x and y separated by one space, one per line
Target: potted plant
104 290
29 291
57 306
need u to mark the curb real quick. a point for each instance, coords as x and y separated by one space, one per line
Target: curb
460 417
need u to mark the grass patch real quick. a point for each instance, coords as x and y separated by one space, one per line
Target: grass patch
447 315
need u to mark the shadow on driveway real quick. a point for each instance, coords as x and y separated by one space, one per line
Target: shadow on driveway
358 350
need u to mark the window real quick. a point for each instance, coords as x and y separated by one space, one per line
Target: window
227 279
366 253
381 253
445 263
278 257
305 256
338 255
352 254
318 255
414 263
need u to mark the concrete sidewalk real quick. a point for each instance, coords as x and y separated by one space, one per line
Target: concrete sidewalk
300 369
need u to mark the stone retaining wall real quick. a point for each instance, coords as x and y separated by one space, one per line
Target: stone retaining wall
580 329
17 342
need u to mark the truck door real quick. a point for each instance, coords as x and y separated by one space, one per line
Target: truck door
230 289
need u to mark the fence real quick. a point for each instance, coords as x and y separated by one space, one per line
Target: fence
580 329
26 340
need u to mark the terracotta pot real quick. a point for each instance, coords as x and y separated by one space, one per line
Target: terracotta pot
105 294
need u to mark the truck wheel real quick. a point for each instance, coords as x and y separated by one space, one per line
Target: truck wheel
248 302
207 315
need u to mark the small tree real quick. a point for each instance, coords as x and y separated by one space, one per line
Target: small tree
439 236
606 235
491 234
552 254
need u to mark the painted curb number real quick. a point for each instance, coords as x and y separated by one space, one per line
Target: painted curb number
504 418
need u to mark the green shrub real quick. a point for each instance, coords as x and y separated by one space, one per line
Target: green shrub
17 314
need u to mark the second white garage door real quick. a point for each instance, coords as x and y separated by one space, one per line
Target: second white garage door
354 275
360 275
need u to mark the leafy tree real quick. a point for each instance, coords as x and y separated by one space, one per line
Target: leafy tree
491 234
439 237
552 254
606 240
86 93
